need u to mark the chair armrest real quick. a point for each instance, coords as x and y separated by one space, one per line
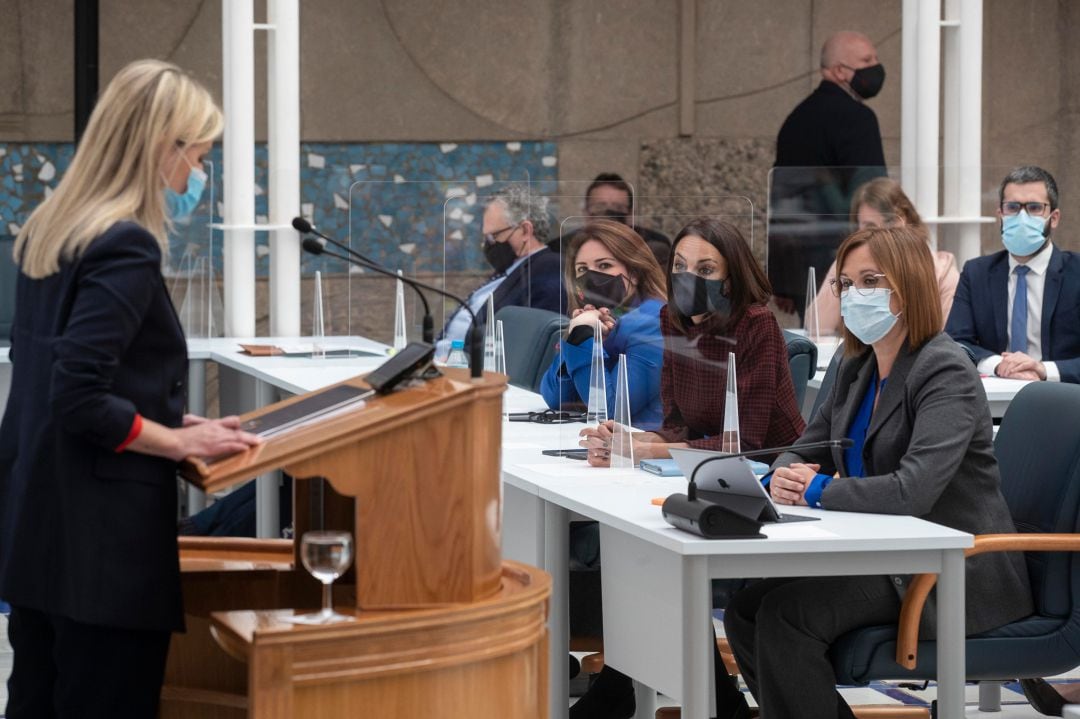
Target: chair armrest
907 638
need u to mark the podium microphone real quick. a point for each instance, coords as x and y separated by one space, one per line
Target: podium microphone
303 226
473 340
713 521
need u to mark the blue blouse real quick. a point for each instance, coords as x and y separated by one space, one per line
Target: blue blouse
636 335
853 455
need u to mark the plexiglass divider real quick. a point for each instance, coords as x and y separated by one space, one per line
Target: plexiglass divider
192 271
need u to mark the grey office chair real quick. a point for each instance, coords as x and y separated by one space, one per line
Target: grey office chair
529 337
802 358
1040 479
9 271
827 381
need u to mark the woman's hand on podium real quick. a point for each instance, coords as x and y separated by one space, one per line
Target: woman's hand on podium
198 437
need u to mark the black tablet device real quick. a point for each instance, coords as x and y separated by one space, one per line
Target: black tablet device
413 358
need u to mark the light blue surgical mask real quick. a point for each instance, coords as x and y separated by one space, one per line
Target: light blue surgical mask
1023 234
866 313
180 206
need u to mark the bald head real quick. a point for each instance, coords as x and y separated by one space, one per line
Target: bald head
849 48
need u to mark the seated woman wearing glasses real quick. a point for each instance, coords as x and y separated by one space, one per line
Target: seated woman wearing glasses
716 305
882 203
912 402
613 279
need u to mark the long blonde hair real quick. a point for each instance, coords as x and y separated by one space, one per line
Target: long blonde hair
149 108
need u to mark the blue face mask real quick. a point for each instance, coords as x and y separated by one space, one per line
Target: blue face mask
1023 234
868 316
180 206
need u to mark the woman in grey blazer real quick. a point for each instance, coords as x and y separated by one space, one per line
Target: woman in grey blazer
912 402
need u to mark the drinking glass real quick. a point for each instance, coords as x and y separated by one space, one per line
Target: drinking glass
326 555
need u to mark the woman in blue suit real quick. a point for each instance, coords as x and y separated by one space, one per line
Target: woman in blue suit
94 423
613 278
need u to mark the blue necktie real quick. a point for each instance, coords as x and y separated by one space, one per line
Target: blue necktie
1018 341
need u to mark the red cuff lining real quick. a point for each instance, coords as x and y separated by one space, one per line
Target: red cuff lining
136 430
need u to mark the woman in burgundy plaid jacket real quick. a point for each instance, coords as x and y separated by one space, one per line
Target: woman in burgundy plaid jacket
716 305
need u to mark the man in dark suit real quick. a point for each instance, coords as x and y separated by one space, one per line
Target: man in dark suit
1018 310
833 127
828 146
526 273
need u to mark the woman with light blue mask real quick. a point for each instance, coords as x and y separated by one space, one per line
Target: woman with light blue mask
922 445
95 425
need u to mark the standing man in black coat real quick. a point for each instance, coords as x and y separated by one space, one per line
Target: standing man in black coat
828 146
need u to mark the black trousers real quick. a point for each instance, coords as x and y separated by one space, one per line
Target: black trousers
63 668
780 631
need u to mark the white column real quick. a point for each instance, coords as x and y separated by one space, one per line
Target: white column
969 200
283 146
909 95
238 74
926 120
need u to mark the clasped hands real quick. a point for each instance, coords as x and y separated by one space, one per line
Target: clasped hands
588 315
598 441
1017 365
788 484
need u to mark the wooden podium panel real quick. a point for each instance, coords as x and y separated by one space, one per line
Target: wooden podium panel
423 466
483 659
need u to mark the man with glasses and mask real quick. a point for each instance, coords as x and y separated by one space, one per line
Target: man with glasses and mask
525 272
1018 310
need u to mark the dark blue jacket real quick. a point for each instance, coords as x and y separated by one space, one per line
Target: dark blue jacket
637 335
536 282
86 532
979 317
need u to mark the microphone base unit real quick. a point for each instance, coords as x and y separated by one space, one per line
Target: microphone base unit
710 520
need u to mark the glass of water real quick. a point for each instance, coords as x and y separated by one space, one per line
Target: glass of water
326 555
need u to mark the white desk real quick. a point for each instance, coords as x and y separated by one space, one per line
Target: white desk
656 579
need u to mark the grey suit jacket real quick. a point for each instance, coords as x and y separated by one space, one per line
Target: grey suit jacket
928 453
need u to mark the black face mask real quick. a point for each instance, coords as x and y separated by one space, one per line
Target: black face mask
600 289
695 295
867 81
500 255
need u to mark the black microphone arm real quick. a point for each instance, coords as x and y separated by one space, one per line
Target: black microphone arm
303 226
476 347
691 490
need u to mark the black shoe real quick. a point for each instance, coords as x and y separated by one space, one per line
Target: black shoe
610 696
1043 697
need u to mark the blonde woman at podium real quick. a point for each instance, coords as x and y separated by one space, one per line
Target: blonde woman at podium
94 423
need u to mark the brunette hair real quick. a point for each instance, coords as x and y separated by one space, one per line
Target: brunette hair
627 247
746 282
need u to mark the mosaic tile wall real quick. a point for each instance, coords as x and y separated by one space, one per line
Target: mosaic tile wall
411 206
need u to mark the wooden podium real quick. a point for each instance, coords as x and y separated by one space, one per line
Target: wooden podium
442 626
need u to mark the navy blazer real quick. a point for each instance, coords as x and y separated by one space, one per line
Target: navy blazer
86 532
980 316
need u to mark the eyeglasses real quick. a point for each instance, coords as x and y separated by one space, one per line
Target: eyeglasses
1032 208
865 286
548 416
490 237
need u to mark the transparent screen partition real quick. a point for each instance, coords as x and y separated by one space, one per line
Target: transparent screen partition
193 270
811 210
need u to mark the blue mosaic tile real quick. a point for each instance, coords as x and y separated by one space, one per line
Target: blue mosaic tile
389 200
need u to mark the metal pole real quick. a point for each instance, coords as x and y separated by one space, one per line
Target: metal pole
283 148
970 36
238 151
909 96
86 62
951 130
929 104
